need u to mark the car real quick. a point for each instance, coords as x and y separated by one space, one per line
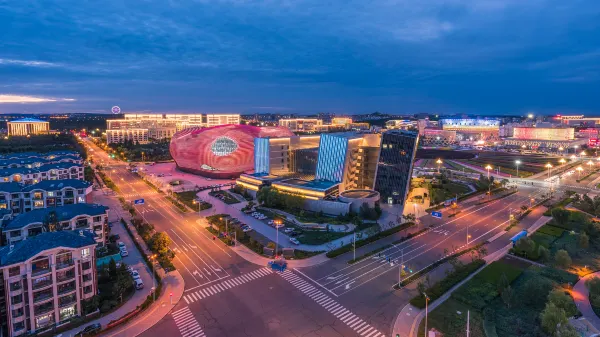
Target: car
161 175
279 225
124 252
90 330
121 245
288 230
247 229
294 241
135 275
138 284
293 233
130 269
271 222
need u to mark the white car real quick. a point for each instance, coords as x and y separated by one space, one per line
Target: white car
138 284
124 252
247 229
271 222
294 241
281 225
121 245
288 230
135 275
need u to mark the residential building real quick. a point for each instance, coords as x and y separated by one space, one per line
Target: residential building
91 217
33 162
27 126
62 170
45 281
20 198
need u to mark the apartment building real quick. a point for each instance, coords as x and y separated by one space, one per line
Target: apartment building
34 162
144 127
47 155
90 217
45 280
19 198
63 170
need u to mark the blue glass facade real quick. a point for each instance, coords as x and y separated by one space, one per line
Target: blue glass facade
394 170
332 157
261 155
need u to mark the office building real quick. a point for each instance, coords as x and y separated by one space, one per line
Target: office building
45 281
28 126
544 137
91 217
394 170
301 124
143 128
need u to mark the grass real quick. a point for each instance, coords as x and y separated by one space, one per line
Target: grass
188 199
551 230
347 248
229 199
542 239
319 237
447 191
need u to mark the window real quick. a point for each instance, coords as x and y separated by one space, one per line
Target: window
80 199
15 286
97 218
50 194
87 289
86 265
16 299
19 326
87 277
85 253
14 271
37 195
17 313
38 203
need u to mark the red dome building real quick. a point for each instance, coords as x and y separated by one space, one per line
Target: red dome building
223 151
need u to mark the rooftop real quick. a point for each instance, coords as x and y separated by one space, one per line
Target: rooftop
28 120
46 185
63 213
26 249
319 185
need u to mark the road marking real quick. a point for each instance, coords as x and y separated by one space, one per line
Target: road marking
224 285
186 323
352 321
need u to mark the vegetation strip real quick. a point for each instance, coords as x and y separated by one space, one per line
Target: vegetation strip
346 248
373 252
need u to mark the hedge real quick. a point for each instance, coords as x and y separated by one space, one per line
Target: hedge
438 289
346 248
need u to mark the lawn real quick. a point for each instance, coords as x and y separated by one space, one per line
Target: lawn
551 230
447 191
542 239
319 237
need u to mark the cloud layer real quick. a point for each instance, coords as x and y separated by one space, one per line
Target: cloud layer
473 56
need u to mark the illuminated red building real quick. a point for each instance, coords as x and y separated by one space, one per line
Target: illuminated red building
224 151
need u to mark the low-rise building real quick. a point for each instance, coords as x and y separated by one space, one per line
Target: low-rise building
92 217
45 280
63 170
20 198
27 126
33 162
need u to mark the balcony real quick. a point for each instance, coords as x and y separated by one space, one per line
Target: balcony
44 308
41 284
41 271
64 264
65 277
42 297
66 289
67 300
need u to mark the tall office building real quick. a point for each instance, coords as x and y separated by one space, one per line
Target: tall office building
394 170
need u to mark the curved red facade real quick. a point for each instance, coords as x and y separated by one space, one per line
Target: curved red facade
224 151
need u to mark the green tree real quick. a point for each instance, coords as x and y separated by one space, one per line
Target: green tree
560 215
502 283
583 241
563 259
112 269
160 243
421 287
564 301
507 296
567 330
543 253
525 245
537 289
551 317
593 285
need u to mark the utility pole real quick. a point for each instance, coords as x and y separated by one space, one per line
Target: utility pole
426 314
401 267
354 246
468 316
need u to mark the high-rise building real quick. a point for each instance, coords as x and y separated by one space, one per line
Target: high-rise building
394 170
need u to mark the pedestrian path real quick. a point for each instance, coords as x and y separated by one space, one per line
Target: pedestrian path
361 327
224 285
186 323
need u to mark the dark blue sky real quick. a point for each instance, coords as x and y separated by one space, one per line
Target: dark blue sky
343 56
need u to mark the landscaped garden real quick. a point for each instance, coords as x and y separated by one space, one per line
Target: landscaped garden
224 196
507 162
189 198
509 297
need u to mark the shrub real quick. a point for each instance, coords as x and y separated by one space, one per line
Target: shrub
562 259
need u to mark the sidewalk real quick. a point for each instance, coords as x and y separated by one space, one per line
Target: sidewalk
408 320
581 295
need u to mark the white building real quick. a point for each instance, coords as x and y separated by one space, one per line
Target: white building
28 126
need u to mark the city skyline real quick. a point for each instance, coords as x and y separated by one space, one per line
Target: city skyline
484 57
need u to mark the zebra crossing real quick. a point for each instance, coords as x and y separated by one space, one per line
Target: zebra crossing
224 285
354 322
186 323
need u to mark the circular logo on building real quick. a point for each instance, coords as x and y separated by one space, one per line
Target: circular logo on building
115 109
223 146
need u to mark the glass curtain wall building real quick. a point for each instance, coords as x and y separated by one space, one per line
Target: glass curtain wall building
394 170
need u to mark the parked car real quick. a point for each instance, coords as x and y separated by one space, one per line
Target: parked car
124 252
294 241
138 284
113 238
279 225
135 275
247 229
130 269
288 230
90 330
121 245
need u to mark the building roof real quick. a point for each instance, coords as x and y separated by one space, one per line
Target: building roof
40 155
66 212
26 249
319 185
28 120
11 187
53 185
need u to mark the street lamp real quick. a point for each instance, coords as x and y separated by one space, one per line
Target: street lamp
590 164
439 162
152 257
517 162
549 166
277 223
573 157
426 314
575 148
562 161
579 169
488 168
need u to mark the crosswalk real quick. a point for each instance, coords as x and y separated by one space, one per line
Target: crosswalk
361 327
224 285
186 323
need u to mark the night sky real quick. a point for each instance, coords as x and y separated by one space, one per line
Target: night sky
301 56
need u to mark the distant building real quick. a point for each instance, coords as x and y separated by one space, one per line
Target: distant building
472 129
28 126
403 124
544 137
301 124
142 128
45 280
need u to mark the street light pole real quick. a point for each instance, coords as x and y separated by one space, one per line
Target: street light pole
354 246
401 267
426 313
518 162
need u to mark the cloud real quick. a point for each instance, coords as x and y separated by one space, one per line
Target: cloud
31 99
26 63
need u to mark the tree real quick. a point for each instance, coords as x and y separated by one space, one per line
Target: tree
421 287
583 241
551 317
543 254
409 217
112 269
507 296
564 301
525 245
560 215
563 259
502 283
537 289
567 330
121 285
160 243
